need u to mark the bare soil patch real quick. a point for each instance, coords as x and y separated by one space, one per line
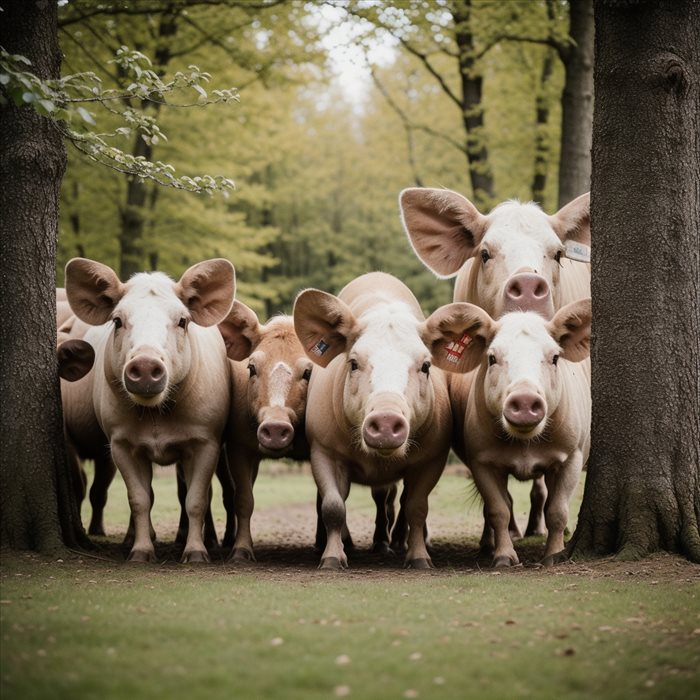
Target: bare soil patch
284 546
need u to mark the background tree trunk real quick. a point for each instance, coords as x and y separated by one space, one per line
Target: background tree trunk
480 174
577 104
643 488
36 502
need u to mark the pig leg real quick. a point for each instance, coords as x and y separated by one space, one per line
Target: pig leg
560 485
223 472
538 497
104 473
383 498
199 467
137 473
244 466
493 487
333 487
417 485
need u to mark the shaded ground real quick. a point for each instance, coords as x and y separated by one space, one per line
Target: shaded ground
284 546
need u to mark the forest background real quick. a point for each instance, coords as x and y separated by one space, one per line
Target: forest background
318 160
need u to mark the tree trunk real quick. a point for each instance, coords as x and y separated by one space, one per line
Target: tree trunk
542 149
480 173
577 104
643 488
36 502
132 247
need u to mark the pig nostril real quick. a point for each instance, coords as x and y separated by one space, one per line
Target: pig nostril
157 372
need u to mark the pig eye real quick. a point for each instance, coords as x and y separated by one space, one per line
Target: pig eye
354 366
425 368
117 322
492 360
485 257
555 359
557 257
182 323
251 370
307 374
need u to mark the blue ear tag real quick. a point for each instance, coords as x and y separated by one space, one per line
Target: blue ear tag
320 347
456 348
577 251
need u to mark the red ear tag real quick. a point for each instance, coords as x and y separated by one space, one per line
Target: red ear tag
320 347
456 348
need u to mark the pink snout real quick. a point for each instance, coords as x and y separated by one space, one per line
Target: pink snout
145 376
275 435
524 410
528 291
385 430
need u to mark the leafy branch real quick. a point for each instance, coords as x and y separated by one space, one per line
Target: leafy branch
64 100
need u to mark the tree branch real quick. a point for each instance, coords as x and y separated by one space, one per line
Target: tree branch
75 14
426 62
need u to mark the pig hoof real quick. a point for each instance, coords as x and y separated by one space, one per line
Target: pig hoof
382 548
138 556
242 554
552 559
332 564
196 556
419 564
535 532
97 531
502 562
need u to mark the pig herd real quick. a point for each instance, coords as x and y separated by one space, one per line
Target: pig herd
361 384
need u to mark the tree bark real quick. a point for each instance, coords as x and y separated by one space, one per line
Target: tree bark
37 507
480 173
643 488
577 103
132 248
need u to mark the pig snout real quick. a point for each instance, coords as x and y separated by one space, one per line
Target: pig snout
528 291
275 435
524 410
385 430
145 376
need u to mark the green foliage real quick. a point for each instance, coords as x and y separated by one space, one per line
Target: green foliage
63 100
317 176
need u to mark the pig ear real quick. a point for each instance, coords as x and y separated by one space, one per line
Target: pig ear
457 335
573 221
443 227
324 324
93 290
571 328
207 290
75 359
240 331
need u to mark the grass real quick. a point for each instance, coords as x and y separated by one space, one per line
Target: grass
87 628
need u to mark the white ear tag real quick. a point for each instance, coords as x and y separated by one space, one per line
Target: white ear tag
577 251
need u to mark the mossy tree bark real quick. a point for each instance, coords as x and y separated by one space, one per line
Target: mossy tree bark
643 488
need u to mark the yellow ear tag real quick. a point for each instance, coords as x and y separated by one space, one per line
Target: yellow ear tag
456 348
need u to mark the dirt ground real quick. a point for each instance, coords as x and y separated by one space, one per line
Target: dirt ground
453 553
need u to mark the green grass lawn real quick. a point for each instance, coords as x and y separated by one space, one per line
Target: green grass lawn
94 628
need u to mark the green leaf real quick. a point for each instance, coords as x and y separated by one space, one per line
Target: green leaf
86 116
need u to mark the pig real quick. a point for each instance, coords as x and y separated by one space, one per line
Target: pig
75 359
513 258
270 375
83 436
378 411
528 412
161 390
